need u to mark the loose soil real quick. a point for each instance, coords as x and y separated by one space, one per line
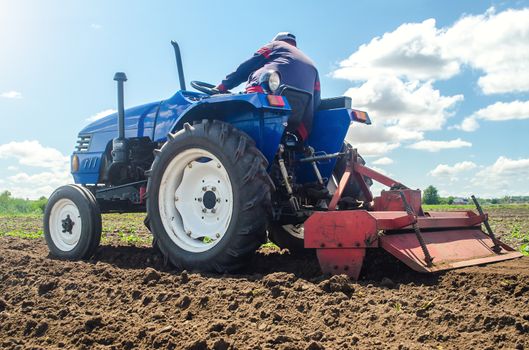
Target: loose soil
125 297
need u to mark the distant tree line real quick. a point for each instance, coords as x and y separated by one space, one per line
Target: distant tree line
11 205
430 195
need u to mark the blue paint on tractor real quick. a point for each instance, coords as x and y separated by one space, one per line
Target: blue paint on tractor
250 113
328 132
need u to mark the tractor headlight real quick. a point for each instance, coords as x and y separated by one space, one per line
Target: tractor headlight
270 81
75 163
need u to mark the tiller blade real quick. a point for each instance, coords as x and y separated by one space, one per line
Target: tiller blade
452 239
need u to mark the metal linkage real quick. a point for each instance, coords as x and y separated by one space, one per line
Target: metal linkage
313 158
315 167
284 173
497 247
427 257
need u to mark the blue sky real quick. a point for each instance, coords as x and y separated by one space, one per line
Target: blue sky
446 83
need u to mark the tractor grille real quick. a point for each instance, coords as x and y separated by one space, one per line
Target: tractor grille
83 142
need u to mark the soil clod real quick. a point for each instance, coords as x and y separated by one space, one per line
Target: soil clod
151 275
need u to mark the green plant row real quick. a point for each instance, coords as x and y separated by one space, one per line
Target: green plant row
23 234
435 207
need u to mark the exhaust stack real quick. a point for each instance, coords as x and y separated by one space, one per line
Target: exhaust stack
120 144
179 65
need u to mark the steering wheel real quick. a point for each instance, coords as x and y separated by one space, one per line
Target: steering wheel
206 88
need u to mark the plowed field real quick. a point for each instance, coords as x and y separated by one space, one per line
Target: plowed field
125 297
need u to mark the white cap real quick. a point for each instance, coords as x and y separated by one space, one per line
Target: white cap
284 36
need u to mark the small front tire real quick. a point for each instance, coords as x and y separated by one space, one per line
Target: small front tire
72 223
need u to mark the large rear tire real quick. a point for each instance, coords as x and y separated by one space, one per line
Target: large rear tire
208 197
72 223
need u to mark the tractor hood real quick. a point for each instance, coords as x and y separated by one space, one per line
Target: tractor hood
138 118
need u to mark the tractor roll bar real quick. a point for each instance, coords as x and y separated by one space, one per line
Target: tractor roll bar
179 65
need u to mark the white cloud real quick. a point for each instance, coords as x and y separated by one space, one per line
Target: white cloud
400 112
23 185
505 177
496 44
397 70
383 161
506 167
32 153
101 114
435 146
413 51
96 26
11 94
413 106
40 179
499 111
469 124
445 170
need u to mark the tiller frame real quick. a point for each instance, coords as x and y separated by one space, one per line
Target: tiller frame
395 222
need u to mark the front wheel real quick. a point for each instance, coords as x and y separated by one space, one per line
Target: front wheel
208 197
72 223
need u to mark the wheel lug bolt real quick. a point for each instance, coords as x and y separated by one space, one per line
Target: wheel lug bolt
218 200
219 166
190 165
204 210
204 188
213 188
188 233
176 199
200 199
213 210
218 235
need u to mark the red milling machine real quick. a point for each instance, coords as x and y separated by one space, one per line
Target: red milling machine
395 222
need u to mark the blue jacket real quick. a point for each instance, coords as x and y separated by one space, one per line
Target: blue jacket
296 70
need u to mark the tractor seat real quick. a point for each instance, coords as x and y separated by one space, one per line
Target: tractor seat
299 103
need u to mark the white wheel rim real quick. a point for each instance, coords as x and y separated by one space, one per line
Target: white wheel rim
297 231
195 200
65 224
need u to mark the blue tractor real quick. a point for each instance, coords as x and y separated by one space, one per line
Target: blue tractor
213 171
218 174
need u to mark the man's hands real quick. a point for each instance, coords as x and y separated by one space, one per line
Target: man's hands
220 89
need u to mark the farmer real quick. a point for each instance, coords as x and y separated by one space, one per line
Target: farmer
296 70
